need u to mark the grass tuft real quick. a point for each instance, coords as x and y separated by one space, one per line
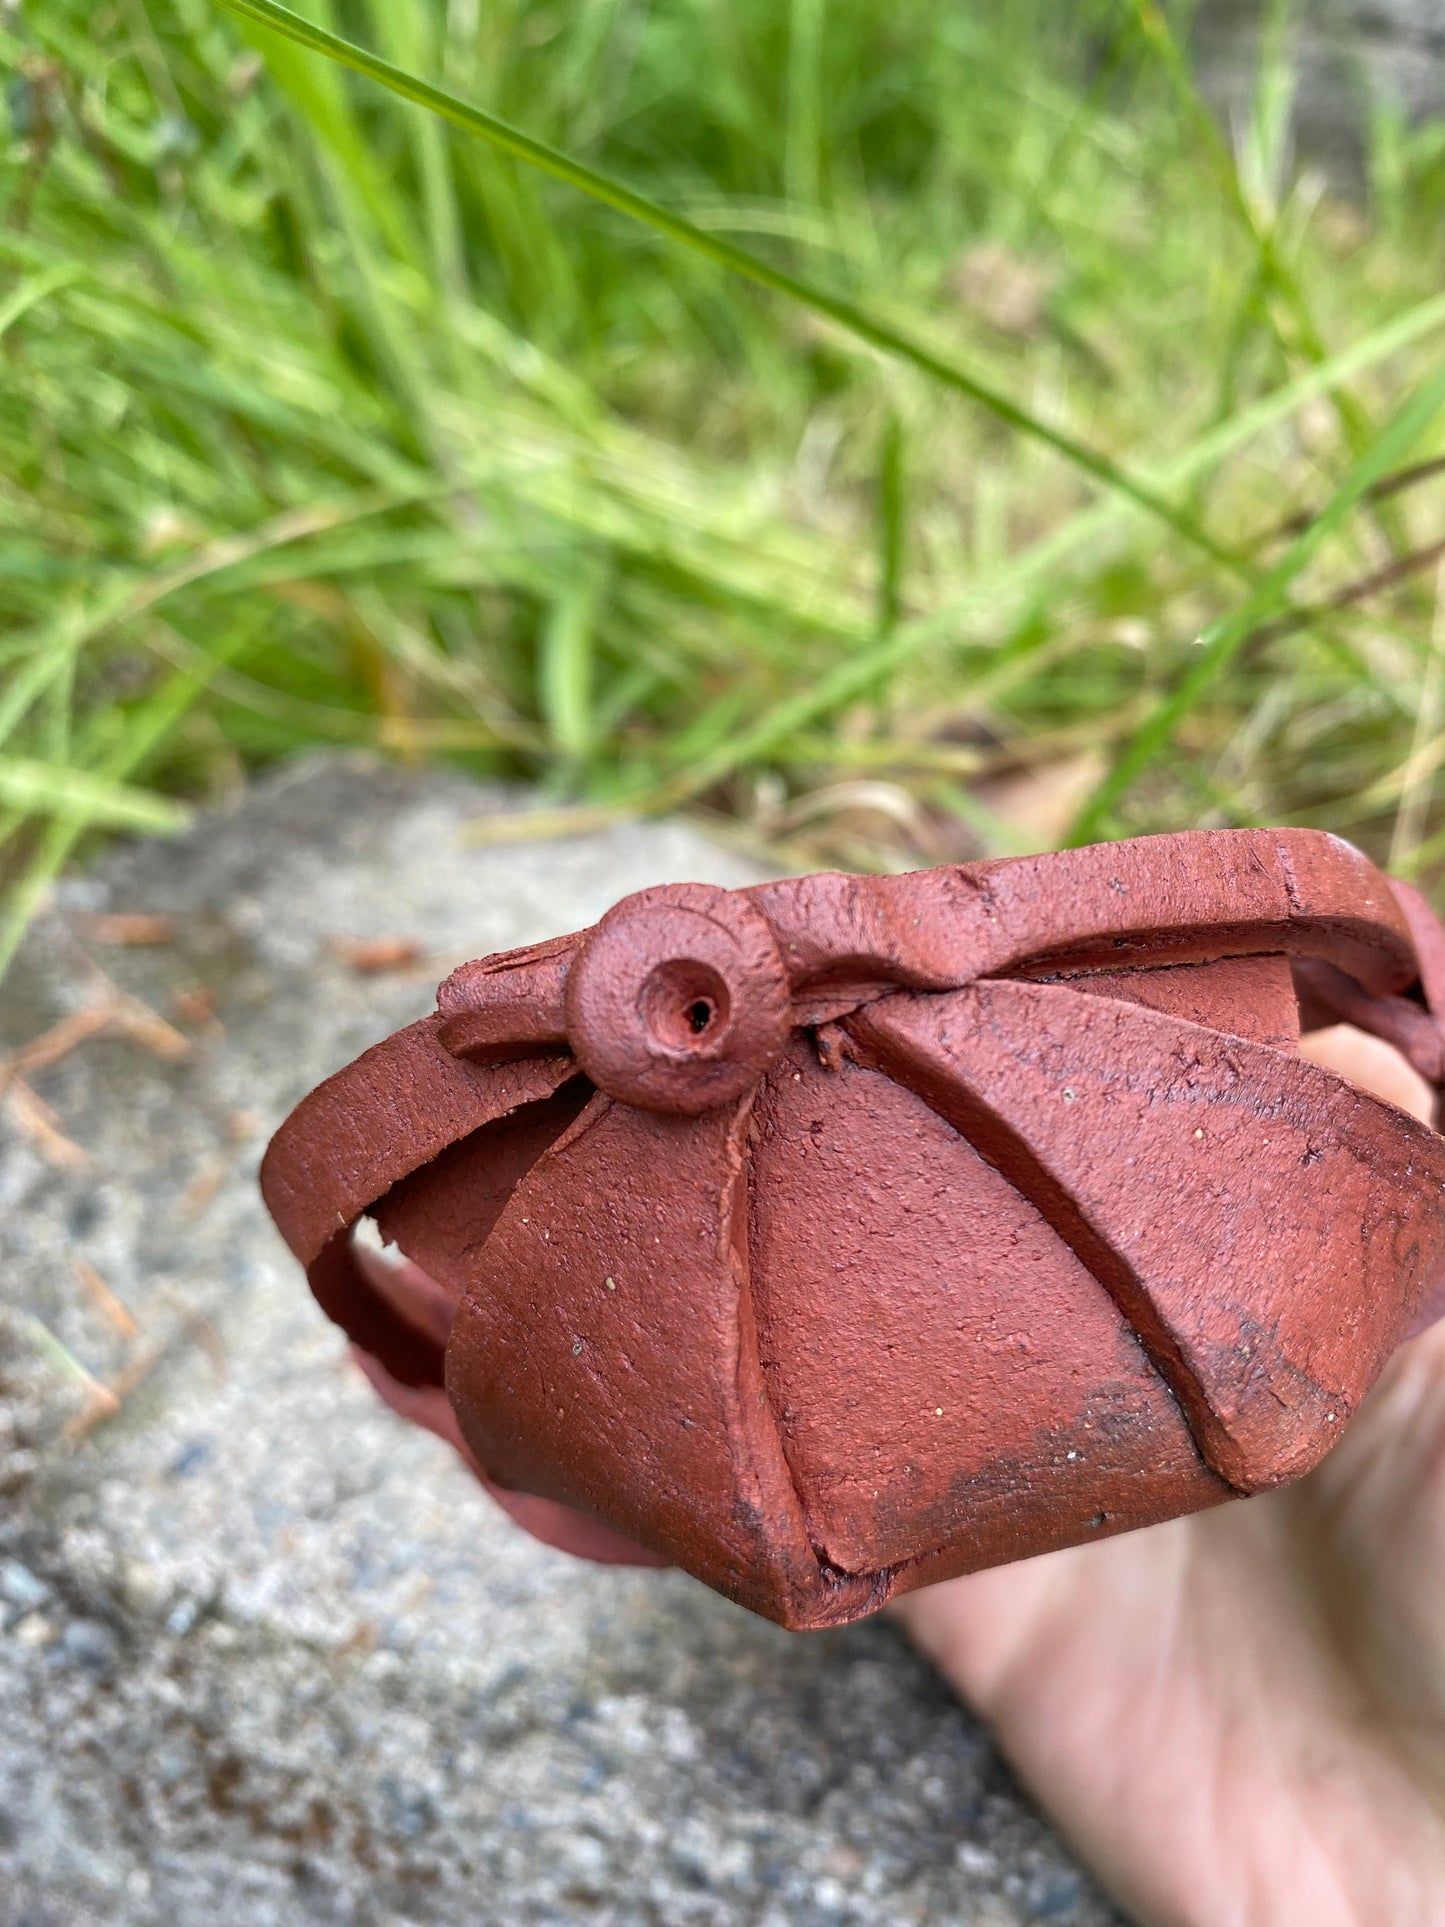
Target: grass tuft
910 435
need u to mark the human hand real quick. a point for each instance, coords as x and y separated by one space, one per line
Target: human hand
1238 1717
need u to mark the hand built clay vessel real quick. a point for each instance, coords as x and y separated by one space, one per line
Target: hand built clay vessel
847 1233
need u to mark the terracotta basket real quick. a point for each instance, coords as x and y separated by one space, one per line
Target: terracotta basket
848 1233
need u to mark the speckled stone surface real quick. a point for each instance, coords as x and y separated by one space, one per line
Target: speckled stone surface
266 1656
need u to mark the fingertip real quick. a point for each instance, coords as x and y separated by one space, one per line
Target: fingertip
1377 1067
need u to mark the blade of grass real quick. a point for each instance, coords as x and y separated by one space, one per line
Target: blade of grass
847 315
124 600
148 726
30 293
803 113
1211 448
1020 573
1411 815
411 35
892 525
51 789
1219 643
54 652
565 667
1403 478
372 218
327 108
1271 267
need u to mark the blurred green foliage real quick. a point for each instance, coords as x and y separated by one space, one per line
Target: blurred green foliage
324 421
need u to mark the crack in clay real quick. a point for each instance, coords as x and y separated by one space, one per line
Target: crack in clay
829 1571
1001 1147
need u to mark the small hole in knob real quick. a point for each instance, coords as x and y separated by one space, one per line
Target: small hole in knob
684 1005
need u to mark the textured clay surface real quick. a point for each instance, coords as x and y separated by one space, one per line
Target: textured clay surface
924 1328
839 1234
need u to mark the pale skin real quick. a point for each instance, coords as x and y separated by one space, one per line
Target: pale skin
1238 1719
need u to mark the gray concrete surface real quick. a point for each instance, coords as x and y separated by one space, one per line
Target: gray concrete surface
266 1656
1349 59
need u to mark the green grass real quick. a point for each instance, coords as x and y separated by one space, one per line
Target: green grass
905 433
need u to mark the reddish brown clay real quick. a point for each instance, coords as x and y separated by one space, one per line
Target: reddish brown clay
840 1235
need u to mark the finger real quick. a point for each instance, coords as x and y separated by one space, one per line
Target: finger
1373 1064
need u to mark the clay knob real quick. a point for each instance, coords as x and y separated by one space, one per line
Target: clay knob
679 1000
